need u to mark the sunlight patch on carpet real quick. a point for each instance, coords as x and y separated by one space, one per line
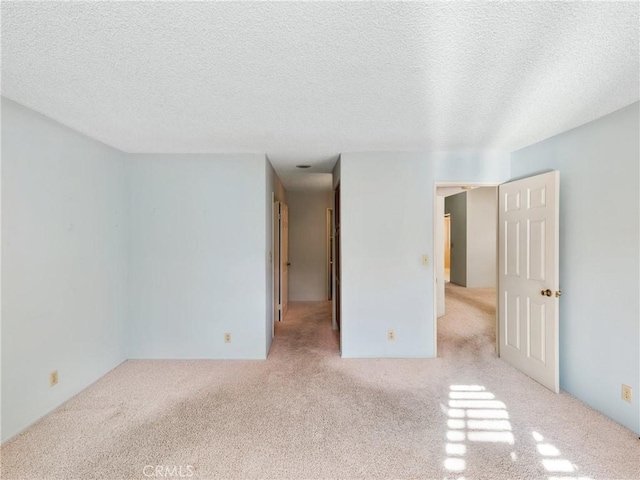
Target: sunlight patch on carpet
551 463
474 416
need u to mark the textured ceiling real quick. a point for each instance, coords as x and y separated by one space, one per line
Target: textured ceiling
303 82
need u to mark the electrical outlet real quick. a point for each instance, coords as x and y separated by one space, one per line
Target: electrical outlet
53 378
627 393
391 335
227 338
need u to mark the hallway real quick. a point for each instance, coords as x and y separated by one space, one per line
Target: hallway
469 326
307 413
305 331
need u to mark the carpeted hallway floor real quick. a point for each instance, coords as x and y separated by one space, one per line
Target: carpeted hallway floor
305 413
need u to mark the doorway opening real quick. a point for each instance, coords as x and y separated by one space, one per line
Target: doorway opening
527 272
465 236
303 251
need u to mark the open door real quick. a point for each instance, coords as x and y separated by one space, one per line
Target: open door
277 303
329 253
337 257
528 276
284 260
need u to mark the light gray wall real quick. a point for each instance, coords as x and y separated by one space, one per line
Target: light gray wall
198 256
456 205
387 226
482 228
474 223
308 244
599 259
64 269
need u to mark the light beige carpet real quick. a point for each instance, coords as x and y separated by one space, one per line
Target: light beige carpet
307 413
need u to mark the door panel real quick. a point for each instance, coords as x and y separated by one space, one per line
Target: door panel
512 249
512 321
537 261
529 276
536 348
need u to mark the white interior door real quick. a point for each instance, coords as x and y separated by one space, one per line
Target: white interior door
528 276
284 259
276 264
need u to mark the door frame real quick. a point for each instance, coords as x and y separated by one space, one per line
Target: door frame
337 264
280 299
434 269
275 262
329 254
284 260
272 260
447 236
277 292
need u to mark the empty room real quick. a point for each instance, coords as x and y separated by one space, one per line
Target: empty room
320 240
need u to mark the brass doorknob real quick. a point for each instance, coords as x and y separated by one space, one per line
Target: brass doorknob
558 293
546 293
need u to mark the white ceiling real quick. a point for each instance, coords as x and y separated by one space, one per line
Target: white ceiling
303 82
